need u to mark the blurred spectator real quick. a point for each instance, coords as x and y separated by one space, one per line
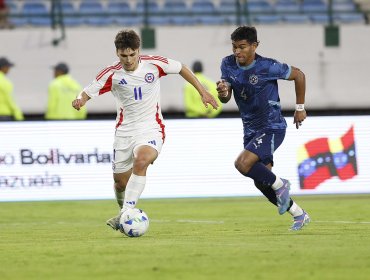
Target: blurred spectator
8 109
4 12
62 91
194 107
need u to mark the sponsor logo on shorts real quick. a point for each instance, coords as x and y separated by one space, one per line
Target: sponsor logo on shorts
258 141
152 142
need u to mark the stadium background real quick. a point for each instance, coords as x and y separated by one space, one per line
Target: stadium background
337 77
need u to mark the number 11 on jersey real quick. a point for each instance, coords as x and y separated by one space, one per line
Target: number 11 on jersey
137 93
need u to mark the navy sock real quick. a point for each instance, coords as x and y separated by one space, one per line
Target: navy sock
267 191
260 173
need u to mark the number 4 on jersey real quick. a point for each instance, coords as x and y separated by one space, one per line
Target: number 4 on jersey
137 93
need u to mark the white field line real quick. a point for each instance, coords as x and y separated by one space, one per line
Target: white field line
342 222
151 220
178 221
188 221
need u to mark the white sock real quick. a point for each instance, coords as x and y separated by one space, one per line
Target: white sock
135 187
119 197
277 184
295 210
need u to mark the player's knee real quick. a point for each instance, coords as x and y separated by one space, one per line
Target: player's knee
242 166
237 165
141 163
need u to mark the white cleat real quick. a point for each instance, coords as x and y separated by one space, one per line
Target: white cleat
114 222
300 221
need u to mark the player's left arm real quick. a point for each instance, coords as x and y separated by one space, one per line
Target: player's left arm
189 76
299 79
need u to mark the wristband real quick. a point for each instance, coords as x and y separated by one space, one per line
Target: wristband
299 107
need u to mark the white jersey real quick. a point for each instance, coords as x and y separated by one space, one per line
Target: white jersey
137 93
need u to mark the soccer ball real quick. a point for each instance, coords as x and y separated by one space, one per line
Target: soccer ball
134 222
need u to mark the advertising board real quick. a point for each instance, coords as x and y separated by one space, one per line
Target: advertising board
69 160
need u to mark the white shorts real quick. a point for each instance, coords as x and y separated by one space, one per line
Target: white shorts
124 149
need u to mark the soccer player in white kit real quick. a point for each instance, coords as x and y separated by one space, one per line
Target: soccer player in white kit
140 132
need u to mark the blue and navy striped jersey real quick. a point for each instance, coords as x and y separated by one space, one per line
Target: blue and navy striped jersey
255 90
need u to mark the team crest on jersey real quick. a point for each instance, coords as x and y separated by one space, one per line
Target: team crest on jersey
253 79
149 77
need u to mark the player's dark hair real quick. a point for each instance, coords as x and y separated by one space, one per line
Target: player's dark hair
244 32
127 39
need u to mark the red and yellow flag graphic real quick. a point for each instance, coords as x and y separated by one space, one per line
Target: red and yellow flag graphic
323 158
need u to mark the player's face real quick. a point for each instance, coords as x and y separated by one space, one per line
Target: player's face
244 52
129 58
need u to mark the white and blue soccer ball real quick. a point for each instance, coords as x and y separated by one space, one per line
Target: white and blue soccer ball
134 222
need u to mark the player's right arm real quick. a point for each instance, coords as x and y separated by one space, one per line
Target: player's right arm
102 84
81 100
223 88
190 77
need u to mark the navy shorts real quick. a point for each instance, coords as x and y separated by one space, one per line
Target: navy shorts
264 144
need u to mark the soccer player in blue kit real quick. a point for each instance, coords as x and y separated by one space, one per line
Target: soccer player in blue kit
253 81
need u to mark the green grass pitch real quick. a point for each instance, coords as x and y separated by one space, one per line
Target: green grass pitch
213 238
